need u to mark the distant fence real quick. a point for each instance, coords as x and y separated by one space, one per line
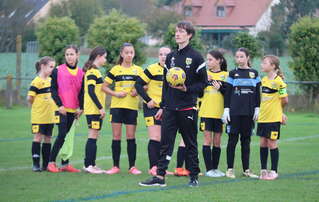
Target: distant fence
10 95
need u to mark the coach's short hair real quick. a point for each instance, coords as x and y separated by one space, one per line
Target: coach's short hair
187 26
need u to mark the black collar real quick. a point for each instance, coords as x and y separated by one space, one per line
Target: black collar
183 50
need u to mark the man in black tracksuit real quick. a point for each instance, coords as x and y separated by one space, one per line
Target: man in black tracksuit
178 106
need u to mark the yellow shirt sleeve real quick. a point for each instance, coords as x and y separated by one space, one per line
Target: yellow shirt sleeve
110 76
33 88
282 89
91 78
144 77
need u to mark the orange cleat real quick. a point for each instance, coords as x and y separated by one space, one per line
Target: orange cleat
52 168
134 171
113 170
69 168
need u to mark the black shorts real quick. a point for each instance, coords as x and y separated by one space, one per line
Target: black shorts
211 124
122 115
269 130
149 116
44 129
94 121
240 125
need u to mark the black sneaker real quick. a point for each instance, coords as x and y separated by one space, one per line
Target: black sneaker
154 181
36 169
193 182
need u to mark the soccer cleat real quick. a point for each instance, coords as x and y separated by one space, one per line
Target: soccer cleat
134 171
230 173
36 169
152 171
214 173
181 172
69 168
93 170
263 174
249 173
219 173
113 170
193 182
153 181
169 173
99 169
272 175
53 168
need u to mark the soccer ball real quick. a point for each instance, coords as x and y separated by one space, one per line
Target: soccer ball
176 76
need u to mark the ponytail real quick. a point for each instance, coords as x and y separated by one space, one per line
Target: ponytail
43 61
97 51
274 60
219 56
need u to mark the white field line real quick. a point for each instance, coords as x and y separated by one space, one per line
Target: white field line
292 139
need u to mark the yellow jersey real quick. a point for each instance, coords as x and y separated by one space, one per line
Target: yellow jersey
93 77
124 79
272 92
43 107
153 76
212 102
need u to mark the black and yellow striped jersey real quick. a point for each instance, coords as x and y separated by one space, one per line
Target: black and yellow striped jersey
43 106
93 77
212 102
272 92
124 79
153 76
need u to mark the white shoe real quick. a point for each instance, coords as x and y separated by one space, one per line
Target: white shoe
219 173
99 169
272 175
230 173
210 173
263 174
249 173
92 170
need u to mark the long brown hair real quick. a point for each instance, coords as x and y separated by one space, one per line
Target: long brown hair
219 56
43 61
97 51
246 51
274 60
120 60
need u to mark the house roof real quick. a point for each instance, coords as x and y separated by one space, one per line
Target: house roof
239 13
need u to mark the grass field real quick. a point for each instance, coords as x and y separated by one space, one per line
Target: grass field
298 168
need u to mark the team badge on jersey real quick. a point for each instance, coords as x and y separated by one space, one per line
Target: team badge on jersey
188 62
252 75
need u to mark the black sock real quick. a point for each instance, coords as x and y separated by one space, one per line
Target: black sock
36 147
181 152
94 155
263 157
215 157
89 152
231 147
46 149
116 152
131 152
245 151
207 154
153 152
274 153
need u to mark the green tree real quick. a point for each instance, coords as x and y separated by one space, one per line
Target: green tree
83 12
54 35
245 40
304 49
169 39
112 31
160 20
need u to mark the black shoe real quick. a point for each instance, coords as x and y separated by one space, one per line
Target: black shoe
193 182
154 181
36 169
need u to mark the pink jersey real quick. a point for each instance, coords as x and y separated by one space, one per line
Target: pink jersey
69 86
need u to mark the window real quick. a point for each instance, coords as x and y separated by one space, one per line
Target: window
220 11
188 11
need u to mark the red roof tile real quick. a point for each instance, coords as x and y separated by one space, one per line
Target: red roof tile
239 13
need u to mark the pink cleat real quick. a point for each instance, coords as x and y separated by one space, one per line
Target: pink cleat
263 174
113 170
152 171
134 171
272 175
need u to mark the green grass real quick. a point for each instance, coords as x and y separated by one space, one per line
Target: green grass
298 168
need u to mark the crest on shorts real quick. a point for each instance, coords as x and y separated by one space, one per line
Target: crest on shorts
188 61
251 74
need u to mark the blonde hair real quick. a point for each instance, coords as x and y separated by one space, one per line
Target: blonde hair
274 60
